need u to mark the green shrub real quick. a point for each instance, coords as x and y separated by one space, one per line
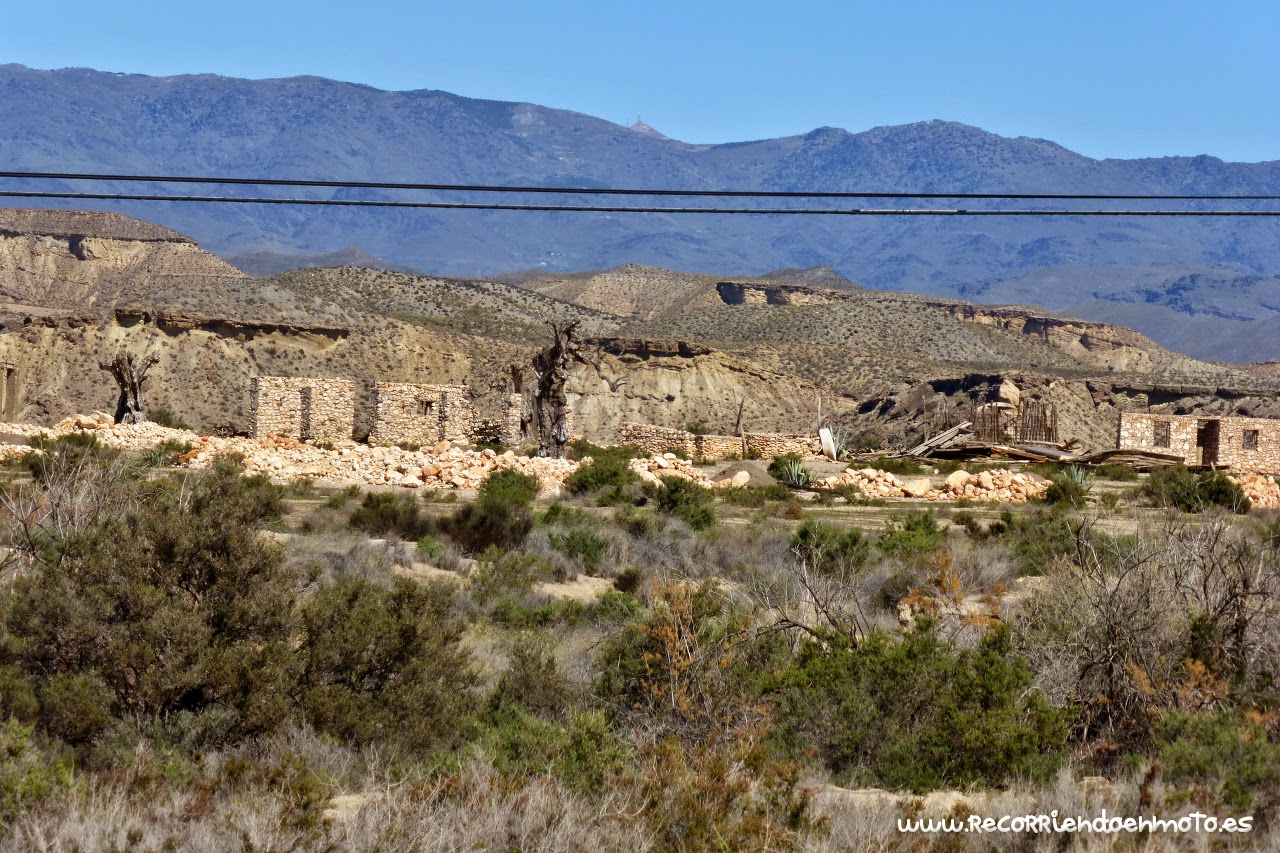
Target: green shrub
916 532
610 470
384 664
1233 758
780 462
1119 473
828 548
915 713
533 681
386 513
501 573
686 500
166 453
430 548
176 605
341 498
166 418
903 465
1036 539
300 487
629 580
583 544
65 453
611 608
697 428
27 775
1067 490
755 496
582 751
509 486
1175 486
501 516
795 473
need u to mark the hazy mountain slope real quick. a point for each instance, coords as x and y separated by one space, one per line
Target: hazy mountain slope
1209 312
81 120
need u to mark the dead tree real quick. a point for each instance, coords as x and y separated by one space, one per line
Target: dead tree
129 373
551 368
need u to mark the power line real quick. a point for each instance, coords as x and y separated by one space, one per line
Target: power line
553 208
491 188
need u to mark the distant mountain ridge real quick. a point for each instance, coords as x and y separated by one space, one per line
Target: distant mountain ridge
310 127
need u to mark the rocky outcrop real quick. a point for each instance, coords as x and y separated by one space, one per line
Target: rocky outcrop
77 225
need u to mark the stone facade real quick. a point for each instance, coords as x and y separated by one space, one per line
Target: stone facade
303 408
769 445
655 439
1241 444
405 413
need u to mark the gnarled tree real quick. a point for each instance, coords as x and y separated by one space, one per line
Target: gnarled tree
129 372
546 403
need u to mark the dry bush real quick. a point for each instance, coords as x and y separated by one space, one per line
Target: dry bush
1181 615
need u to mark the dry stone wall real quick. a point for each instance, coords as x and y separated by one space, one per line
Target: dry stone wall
768 445
655 439
763 445
303 408
1260 452
1138 431
1241 444
406 413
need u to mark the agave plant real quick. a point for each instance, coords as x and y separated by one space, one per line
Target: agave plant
840 443
1081 477
795 474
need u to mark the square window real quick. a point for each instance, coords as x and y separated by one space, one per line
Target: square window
1162 437
425 408
1250 440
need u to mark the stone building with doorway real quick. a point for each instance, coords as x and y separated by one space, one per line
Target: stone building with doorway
1241 444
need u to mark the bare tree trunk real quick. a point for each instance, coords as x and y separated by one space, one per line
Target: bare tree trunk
551 367
129 373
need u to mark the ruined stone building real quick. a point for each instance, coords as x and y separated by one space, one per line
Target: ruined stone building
402 412
1241 444
405 413
303 408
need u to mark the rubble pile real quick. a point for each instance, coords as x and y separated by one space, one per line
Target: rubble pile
653 469
998 485
1263 490
286 459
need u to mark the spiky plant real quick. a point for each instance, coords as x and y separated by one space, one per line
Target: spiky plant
795 474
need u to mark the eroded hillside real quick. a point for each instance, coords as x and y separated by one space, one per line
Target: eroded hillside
672 347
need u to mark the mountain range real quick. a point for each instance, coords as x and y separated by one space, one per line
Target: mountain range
1207 286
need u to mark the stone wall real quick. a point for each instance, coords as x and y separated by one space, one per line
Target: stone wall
1264 457
303 408
1208 441
717 446
655 439
406 413
1138 432
762 445
769 445
328 410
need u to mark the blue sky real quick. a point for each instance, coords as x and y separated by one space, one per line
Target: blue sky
1107 79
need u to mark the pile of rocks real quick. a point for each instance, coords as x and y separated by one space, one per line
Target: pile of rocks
998 485
653 469
13 451
285 459
444 466
1262 489
875 483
